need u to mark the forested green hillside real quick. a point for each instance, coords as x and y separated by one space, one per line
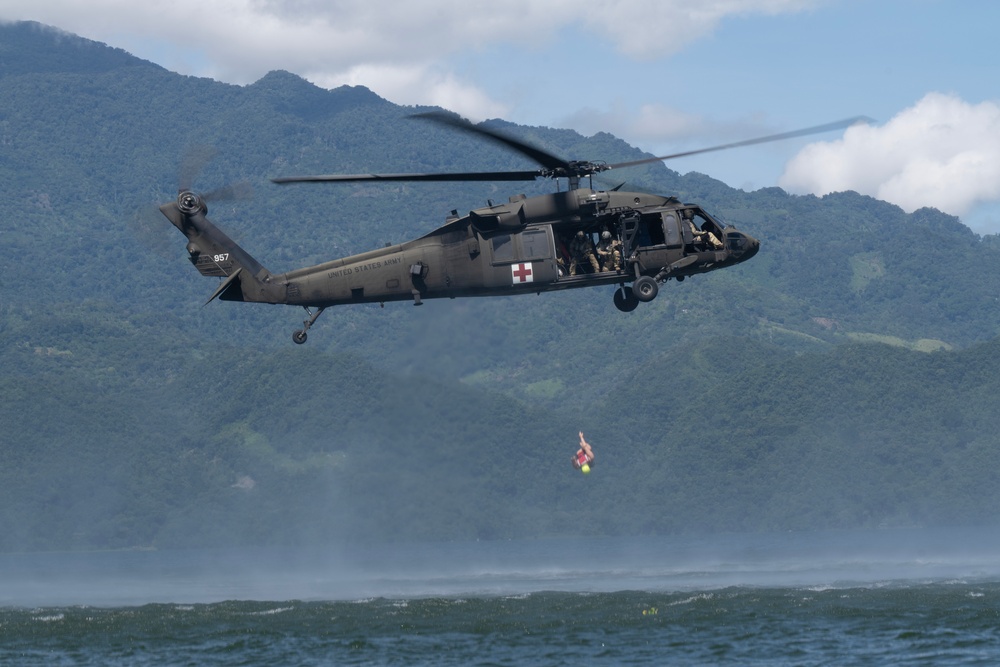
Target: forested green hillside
843 377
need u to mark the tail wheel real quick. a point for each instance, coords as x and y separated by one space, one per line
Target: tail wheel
625 300
645 288
299 337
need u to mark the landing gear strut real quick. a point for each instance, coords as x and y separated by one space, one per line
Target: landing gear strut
300 336
645 288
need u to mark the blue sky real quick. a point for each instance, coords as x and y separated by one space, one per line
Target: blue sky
665 75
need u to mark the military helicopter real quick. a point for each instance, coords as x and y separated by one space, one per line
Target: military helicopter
519 247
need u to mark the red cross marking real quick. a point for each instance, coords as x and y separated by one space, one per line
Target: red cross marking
521 273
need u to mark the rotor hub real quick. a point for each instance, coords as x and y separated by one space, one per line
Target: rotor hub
189 203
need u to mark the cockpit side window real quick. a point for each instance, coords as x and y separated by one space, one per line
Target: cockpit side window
701 232
704 223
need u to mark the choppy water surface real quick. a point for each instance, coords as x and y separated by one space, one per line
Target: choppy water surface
892 597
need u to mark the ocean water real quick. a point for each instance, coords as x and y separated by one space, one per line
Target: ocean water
878 598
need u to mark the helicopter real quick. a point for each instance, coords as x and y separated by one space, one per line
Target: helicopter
527 245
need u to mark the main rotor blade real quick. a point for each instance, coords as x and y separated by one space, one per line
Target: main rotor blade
192 163
462 176
554 167
240 190
538 155
837 125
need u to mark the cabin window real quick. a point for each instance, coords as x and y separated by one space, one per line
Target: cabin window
535 244
503 249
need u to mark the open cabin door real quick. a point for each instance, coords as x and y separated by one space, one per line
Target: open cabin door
658 240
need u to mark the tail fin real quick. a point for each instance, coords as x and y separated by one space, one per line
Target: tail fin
215 254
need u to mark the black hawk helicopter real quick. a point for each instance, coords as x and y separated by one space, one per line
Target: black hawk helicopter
527 245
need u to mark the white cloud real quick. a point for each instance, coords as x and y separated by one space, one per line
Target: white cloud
648 29
942 152
419 84
407 52
238 41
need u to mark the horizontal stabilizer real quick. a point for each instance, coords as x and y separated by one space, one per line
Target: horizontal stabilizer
229 289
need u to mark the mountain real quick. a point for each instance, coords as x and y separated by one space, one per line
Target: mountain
841 378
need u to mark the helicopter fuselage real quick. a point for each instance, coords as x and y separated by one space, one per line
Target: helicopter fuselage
573 238
517 247
527 245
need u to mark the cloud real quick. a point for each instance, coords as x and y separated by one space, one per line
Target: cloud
401 50
942 152
647 29
419 84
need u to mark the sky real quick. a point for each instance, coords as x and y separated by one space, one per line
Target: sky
664 75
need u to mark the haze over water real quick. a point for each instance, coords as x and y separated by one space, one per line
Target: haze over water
881 597
835 558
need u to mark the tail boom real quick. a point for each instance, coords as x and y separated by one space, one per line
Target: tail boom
214 254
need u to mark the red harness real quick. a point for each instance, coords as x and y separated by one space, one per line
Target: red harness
581 459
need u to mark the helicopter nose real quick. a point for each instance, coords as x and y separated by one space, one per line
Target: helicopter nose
743 246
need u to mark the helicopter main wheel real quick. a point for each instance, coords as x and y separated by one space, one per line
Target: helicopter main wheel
645 288
300 337
625 300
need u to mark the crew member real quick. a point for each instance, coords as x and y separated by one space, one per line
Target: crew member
705 236
581 250
609 251
584 456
